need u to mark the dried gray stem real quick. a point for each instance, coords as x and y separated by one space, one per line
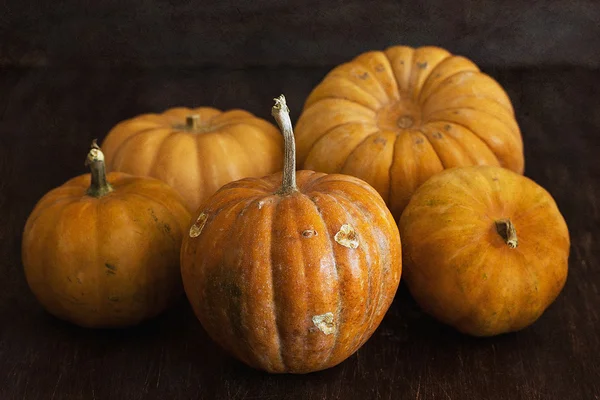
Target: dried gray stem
281 113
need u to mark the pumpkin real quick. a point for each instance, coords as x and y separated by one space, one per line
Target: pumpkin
292 277
195 151
396 117
485 249
102 251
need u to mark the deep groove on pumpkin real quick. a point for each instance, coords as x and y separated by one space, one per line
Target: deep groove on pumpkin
409 64
158 150
241 350
374 74
357 146
306 287
351 82
240 144
338 317
201 171
391 181
274 294
393 75
428 140
500 161
492 99
416 68
434 89
364 250
395 72
330 130
391 193
123 144
381 273
473 137
483 111
465 152
431 73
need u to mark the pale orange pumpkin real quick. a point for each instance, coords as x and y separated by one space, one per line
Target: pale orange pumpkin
102 250
396 117
292 277
195 151
484 249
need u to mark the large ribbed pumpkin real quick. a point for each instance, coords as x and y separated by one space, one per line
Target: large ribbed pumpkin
196 151
102 250
293 277
485 249
396 117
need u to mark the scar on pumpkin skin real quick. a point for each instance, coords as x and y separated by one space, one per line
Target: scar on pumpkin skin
309 233
325 323
196 229
347 237
110 269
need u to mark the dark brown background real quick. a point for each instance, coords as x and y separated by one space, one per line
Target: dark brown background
70 70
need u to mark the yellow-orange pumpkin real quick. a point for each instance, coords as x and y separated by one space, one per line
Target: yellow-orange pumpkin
485 249
293 277
103 251
195 151
396 117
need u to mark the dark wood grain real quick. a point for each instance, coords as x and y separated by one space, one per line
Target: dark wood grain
291 32
50 115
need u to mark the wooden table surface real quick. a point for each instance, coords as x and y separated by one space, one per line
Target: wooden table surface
49 117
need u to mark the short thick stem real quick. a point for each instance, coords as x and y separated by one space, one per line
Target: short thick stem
192 122
281 113
507 231
99 186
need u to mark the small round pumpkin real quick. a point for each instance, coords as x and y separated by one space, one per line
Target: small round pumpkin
396 117
102 250
292 277
485 249
195 151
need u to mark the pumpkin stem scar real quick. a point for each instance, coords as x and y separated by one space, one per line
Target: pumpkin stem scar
196 228
405 121
347 237
281 113
506 229
325 323
99 186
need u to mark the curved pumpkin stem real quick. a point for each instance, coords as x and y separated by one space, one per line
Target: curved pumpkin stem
281 113
95 160
506 229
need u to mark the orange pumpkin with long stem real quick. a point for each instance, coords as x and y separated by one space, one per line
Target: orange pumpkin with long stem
293 276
